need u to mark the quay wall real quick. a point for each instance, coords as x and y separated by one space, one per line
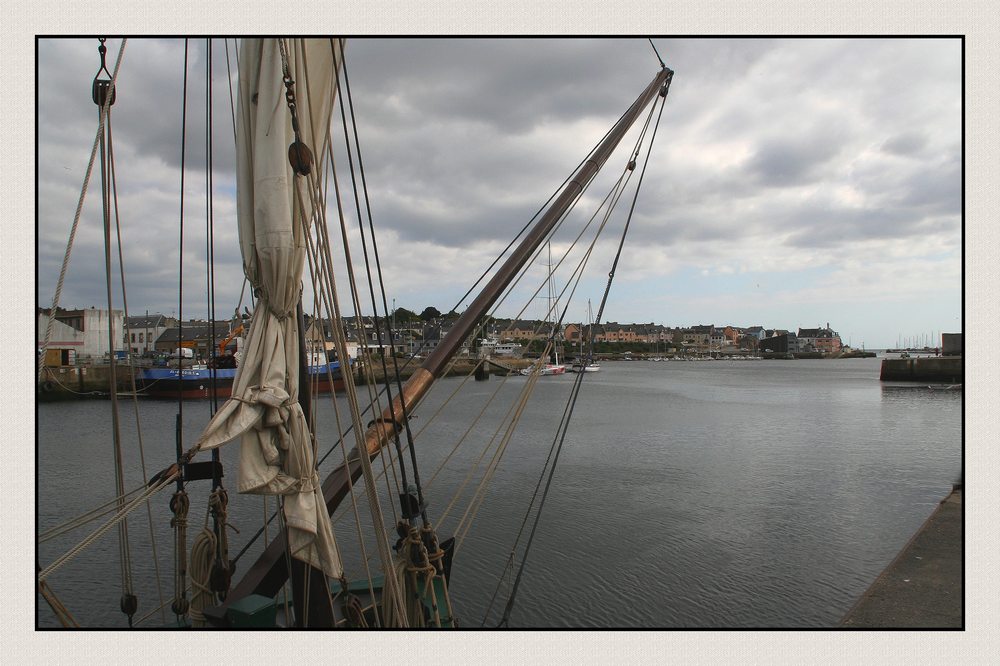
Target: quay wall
92 381
948 369
923 587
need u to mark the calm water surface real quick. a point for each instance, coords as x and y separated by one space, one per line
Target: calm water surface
712 494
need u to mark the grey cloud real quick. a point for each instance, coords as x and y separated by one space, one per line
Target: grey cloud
905 143
445 127
793 160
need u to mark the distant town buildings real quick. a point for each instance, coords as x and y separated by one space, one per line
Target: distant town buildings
81 335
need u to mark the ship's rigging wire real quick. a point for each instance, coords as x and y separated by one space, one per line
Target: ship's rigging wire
385 307
662 64
611 200
128 599
180 263
486 272
135 401
297 202
564 424
374 397
210 247
481 485
476 502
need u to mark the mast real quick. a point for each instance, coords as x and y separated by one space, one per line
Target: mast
268 573
548 307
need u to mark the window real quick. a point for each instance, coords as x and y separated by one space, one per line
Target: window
133 337
140 337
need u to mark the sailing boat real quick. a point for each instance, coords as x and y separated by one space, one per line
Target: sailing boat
554 367
303 577
588 364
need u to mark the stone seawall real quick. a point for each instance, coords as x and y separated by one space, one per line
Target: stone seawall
923 588
946 369
70 382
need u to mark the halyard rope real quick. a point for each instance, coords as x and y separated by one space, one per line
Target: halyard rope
79 207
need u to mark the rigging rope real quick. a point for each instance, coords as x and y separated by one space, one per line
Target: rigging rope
62 613
120 515
318 265
567 415
86 517
391 593
611 199
179 503
662 64
385 305
128 600
135 399
202 554
374 396
79 208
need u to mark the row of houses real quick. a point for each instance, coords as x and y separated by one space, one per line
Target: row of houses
81 335
699 338
709 337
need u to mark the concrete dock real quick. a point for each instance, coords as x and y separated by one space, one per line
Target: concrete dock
923 588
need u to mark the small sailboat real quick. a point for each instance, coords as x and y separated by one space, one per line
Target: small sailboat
587 363
554 367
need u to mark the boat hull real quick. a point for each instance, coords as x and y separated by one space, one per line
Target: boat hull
545 370
194 384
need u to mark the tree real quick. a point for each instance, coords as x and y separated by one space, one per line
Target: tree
402 315
430 312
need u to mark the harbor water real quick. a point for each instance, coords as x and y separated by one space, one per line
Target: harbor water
717 494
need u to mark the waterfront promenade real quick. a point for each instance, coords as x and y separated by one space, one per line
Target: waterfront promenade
923 587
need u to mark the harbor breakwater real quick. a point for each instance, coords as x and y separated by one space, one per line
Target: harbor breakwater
947 369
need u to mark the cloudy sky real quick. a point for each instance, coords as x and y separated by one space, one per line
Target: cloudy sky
793 182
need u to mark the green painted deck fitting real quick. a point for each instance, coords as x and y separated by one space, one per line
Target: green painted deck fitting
252 611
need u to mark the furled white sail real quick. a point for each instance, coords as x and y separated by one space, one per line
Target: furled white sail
277 455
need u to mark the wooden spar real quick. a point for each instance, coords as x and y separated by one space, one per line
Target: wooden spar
268 573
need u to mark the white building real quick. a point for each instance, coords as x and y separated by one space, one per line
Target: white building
144 330
81 334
